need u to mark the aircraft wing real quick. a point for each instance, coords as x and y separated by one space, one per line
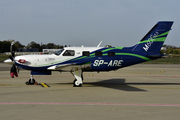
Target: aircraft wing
68 67
62 67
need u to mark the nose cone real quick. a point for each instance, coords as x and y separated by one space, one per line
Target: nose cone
8 61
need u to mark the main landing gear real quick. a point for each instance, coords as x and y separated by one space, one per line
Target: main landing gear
77 83
31 81
77 73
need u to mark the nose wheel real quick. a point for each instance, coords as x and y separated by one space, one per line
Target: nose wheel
31 81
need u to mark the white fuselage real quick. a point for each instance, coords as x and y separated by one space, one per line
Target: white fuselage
52 59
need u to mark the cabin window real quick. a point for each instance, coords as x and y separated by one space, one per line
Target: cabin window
69 53
86 53
111 53
98 53
59 52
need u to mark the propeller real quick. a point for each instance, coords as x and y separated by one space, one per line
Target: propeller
13 71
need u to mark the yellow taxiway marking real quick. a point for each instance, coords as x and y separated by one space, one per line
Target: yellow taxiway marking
4 85
44 85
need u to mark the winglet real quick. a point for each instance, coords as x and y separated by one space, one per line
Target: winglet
99 44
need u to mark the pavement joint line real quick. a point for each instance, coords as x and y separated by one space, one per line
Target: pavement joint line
101 85
117 104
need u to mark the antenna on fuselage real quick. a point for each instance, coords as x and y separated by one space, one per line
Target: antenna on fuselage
99 44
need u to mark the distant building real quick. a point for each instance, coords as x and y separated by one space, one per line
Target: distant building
28 49
163 48
50 50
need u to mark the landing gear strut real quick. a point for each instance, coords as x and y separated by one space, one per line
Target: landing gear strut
77 73
31 81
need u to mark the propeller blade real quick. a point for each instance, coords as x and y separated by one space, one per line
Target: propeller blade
11 58
12 50
13 54
13 71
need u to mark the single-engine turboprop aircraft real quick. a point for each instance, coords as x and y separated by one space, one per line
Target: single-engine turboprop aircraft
81 59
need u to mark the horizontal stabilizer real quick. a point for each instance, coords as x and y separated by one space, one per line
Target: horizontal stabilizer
155 55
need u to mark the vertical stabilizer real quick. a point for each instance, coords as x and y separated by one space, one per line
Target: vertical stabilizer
154 39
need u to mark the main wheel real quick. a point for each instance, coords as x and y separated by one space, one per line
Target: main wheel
76 83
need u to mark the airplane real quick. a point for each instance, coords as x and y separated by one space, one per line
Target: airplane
77 60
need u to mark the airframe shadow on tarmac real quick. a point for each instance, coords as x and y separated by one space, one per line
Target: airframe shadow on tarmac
119 84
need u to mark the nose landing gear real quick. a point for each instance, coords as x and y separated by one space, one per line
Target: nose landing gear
31 81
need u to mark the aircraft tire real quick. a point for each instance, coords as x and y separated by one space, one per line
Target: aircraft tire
32 82
76 83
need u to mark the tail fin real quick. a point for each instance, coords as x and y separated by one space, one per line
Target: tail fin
154 39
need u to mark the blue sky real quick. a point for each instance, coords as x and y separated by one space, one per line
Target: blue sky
119 23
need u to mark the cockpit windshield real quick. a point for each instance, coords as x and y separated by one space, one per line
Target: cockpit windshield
59 52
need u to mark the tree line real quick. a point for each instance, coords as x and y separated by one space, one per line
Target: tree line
170 50
5 46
